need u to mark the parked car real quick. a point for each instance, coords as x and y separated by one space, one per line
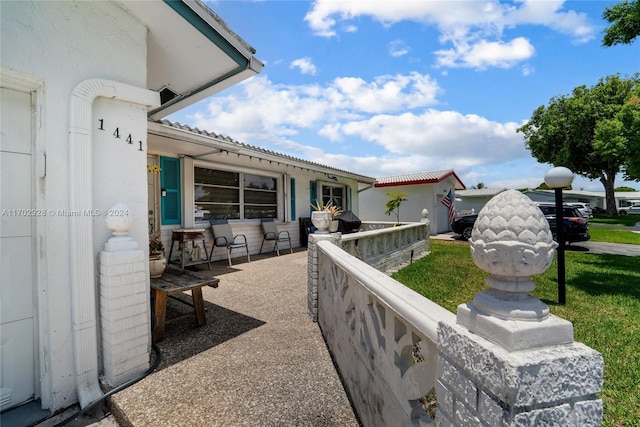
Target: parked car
584 208
463 225
576 227
633 209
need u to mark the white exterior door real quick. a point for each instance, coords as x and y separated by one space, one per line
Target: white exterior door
17 323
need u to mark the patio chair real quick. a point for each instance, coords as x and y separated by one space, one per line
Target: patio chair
271 234
223 238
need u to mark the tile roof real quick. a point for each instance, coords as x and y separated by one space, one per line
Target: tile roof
257 151
419 178
479 192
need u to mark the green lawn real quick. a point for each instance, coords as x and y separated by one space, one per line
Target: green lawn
614 235
603 303
628 220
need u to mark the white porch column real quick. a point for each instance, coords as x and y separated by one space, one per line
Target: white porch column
124 293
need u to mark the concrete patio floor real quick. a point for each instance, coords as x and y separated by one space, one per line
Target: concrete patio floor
259 361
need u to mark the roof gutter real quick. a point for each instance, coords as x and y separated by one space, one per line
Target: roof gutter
245 63
157 113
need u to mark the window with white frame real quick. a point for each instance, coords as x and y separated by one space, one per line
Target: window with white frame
334 194
223 194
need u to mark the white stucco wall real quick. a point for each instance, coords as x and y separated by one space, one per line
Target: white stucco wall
65 43
253 164
419 196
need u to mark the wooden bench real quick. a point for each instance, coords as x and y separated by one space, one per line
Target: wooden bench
174 281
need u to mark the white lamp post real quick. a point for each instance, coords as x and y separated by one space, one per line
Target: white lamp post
559 178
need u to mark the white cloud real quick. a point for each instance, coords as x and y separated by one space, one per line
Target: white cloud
437 134
305 65
474 28
262 108
484 54
398 48
381 126
549 13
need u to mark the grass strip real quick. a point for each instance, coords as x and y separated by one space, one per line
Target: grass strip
614 235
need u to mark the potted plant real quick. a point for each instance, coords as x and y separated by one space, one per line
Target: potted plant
157 261
335 212
320 217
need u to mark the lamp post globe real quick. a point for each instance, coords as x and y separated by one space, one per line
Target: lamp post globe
559 178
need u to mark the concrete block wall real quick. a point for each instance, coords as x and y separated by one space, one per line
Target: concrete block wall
312 268
124 313
482 384
401 258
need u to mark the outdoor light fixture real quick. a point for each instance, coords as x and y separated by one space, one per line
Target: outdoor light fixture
559 178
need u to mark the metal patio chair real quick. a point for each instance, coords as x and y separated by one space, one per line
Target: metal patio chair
271 234
223 237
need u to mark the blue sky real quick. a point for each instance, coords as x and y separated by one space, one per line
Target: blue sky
384 88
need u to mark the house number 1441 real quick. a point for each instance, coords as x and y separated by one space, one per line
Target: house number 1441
118 135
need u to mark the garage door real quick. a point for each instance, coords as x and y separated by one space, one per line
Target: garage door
17 363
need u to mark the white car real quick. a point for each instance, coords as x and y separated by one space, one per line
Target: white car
584 208
633 209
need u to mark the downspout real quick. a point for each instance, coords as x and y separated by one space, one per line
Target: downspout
83 312
366 188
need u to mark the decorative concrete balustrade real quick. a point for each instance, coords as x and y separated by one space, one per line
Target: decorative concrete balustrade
385 247
382 336
504 360
389 248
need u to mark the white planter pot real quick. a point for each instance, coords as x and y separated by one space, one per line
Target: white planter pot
333 226
321 221
157 267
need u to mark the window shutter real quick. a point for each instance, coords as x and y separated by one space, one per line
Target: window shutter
293 198
170 187
313 192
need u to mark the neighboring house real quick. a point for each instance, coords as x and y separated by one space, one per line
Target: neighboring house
424 190
475 199
79 82
596 199
625 198
215 177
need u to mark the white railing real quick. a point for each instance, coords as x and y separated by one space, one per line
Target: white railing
376 244
382 334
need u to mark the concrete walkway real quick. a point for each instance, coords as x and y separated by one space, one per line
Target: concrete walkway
259 361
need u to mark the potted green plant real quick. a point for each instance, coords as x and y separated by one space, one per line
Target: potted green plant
320 217
157 261
335 212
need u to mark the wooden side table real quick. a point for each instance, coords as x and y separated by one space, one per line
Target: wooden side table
183 236
174 281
